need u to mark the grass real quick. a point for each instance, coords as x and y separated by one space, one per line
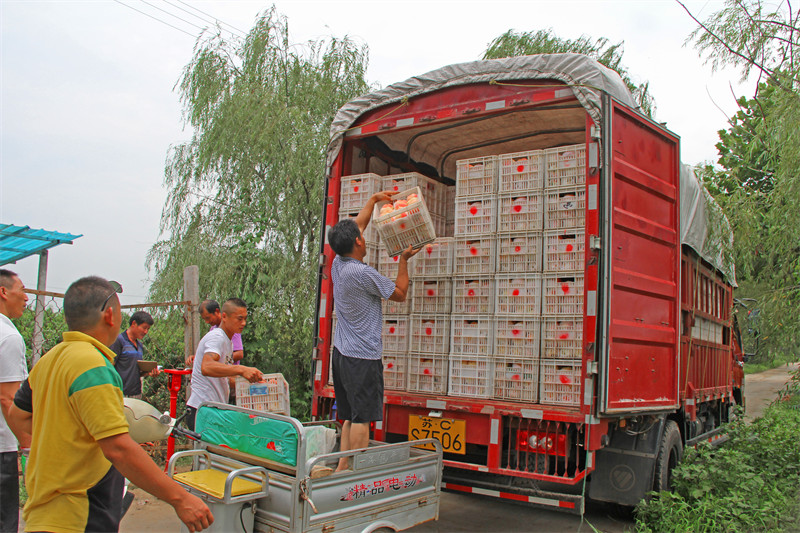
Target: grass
752 483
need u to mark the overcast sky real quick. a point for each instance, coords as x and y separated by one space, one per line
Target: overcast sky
88 109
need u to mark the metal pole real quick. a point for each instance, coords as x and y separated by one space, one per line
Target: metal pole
38 318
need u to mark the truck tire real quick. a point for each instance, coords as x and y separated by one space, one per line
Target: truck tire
670 452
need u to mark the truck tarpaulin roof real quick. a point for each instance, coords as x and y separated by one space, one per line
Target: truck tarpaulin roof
588 80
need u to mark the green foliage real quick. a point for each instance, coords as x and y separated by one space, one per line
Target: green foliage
751 483
53 326
245 194
512 44
164 343
758 184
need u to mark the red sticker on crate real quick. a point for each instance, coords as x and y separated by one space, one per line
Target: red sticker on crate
515 377
473 210
473 250
517 208
389 365
518 249
565 288
520 168
569 247
426 371
515 332
515 292
564 336
471 292
428 331
431 292
564 379
355 189
391 329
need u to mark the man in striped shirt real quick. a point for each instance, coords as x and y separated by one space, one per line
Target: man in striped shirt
357 345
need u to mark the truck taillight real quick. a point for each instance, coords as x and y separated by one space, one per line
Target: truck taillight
542 442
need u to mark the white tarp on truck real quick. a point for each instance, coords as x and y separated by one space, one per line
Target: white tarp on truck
703 226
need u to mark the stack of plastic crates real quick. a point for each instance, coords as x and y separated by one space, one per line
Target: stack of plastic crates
395 351
563 279
475 236
271 394
355 191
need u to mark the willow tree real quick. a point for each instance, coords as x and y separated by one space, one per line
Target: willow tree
245 193
511 44
758 178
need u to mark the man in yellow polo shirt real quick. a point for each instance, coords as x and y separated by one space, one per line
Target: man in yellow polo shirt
72 406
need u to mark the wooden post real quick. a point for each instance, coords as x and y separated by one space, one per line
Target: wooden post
38 317
191 292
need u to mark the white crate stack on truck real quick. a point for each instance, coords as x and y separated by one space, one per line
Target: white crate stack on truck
567 205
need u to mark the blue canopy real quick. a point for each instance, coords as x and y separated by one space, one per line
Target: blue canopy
18 242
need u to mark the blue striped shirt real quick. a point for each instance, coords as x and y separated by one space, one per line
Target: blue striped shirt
357 293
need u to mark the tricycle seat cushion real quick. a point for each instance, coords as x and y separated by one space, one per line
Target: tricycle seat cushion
212 482
269 438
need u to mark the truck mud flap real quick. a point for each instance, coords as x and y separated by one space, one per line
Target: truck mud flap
625 468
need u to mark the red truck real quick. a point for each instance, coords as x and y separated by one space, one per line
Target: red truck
646 278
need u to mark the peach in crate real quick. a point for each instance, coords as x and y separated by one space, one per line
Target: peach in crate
404 222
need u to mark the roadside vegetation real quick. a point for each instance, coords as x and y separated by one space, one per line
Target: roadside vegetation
750 483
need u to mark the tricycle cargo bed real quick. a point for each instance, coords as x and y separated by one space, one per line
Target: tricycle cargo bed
389 485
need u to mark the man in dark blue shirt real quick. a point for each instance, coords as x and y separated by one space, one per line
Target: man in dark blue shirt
129 350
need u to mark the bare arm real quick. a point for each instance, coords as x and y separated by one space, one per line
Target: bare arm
134 463
401 283
21 424
365 215
212 367
238 355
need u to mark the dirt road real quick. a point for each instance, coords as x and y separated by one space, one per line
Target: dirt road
466 513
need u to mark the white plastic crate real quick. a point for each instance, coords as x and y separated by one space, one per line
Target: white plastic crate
395 334
432 295
475 215
474 255
521 172
473 295
394 371
390 307
432 191
519 295
388 264
270 395
519 253
470 376
427 373
516 378
564 250
430 334
436 259
565 208
406 226
477 176
562 337
520 212
370 233
560 382
562 294
565 166
517 337
450 203
356 190
471 335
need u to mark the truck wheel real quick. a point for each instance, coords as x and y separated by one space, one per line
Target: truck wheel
670 452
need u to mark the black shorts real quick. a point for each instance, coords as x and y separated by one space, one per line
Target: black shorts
358 385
